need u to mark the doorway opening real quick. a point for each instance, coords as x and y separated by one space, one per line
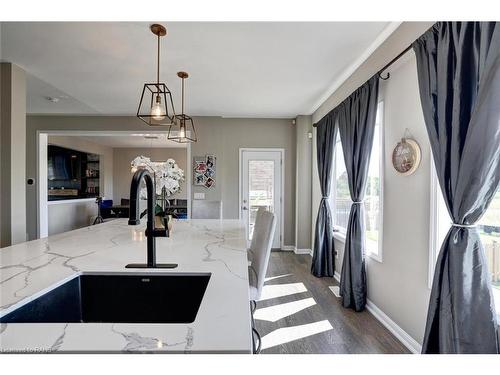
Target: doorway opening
61 208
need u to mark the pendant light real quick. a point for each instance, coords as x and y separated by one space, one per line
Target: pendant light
182 130
156 107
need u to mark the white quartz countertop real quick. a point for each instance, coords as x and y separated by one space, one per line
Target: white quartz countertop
222 325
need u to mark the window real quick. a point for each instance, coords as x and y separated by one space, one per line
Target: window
340 200
489 231
373 194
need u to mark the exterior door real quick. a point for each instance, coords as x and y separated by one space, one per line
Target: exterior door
261 186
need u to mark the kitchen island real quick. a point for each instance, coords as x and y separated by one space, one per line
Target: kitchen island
218 247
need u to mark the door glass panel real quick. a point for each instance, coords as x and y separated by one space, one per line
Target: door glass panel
260 189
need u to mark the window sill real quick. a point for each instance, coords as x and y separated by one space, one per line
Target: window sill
376 257
339 236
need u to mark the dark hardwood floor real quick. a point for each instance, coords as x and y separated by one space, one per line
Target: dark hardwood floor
305 309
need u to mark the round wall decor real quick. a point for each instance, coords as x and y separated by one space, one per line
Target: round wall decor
406 156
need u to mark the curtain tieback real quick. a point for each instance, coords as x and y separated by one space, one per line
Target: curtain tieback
463 225
325 197
357 202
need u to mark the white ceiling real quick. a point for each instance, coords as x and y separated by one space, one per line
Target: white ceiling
134 141
258 69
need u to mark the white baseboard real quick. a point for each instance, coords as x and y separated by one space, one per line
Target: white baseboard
335 290
396 330
408 341
295 250
303 251
336 276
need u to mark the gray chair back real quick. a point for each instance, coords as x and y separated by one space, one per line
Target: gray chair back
262 241
257 223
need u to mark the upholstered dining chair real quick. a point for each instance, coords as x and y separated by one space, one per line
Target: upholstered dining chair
253 243
262 242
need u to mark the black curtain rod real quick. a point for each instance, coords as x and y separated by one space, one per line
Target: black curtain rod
385 67
392 62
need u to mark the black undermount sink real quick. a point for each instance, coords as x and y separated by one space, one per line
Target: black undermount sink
117 298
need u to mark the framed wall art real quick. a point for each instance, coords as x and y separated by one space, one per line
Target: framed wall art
406 156
204 170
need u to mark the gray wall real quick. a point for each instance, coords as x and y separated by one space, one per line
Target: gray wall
13 155
122 174
219 136
3 192
224 137
399 285
1 137
303 239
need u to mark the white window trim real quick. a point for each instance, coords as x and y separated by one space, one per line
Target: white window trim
435 225
339 233
379 256
433 230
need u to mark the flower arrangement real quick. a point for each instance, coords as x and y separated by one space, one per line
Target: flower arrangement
167 175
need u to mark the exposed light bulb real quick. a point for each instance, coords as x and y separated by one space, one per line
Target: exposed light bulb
182 131
157 110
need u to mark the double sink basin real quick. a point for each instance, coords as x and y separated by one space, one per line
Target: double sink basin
117 298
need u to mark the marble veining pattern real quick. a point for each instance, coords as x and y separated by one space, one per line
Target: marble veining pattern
220 242
30 269
137 342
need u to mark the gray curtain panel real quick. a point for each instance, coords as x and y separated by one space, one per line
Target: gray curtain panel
323 262
356 121
458 66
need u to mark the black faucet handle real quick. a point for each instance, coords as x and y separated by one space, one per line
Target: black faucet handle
158 232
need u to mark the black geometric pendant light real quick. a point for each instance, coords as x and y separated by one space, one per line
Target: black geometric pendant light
182 130
156 107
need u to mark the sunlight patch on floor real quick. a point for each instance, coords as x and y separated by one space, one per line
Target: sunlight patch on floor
335 290
276 277
277 312
288 334
280 290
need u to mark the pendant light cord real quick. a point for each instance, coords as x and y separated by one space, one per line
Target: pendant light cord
183 96
158 67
